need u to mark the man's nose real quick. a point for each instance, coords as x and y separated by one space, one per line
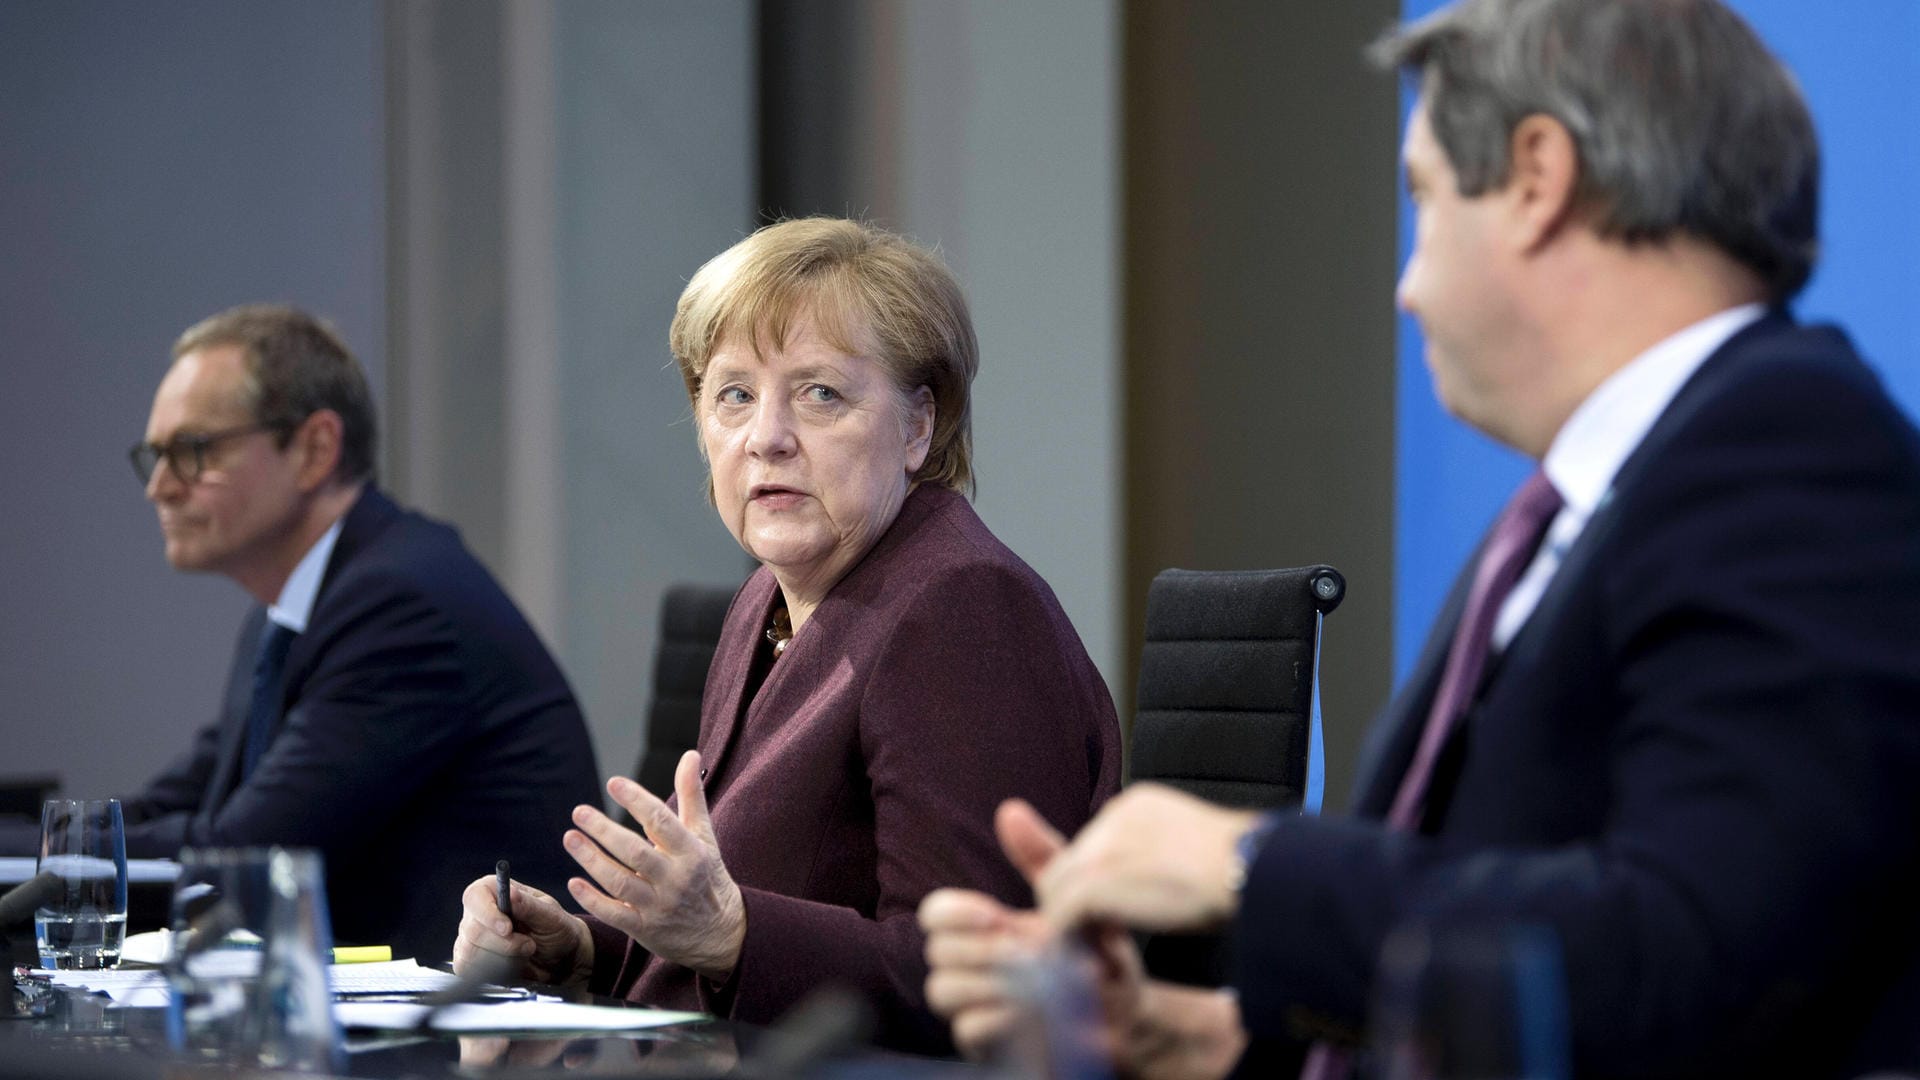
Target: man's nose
163 483
1402 297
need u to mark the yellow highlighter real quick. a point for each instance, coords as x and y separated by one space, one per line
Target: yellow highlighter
363 954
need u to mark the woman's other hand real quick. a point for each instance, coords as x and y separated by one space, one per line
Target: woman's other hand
668 890
553 946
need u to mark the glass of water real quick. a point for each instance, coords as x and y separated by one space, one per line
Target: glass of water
85 842
247 976
1470 1002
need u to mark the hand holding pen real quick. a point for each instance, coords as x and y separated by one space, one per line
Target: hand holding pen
503 899
502 917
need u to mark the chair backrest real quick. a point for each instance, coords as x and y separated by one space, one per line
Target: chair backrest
690 620
1226 707
1227 682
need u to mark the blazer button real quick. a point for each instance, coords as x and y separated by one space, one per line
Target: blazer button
703 772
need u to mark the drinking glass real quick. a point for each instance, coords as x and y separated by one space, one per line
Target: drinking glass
85 842
1058 1028
1474 1002
247 972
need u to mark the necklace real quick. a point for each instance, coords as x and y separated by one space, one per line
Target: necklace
780 631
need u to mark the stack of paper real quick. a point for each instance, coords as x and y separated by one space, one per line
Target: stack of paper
147 988
505 1016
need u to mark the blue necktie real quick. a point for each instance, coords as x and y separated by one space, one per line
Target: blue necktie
263 714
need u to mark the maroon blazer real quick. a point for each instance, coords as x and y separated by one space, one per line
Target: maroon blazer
936 679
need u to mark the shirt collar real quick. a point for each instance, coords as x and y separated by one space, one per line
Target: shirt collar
1606 428
303 585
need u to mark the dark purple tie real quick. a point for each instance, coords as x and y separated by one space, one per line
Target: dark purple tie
1510 547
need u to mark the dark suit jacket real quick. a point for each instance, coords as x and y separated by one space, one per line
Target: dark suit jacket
1698 761
426 734
936 679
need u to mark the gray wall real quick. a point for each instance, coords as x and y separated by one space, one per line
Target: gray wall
1260 224
989 130
518 190
655 156
158 162
559 171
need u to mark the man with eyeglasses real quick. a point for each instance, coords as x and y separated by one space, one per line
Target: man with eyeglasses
388 704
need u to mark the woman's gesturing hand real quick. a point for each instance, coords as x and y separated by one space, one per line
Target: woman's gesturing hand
668 890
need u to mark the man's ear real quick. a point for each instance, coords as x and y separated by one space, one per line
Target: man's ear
1542 176
317 446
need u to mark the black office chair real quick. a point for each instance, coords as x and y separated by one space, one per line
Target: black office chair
1228 691
690 620
1227 682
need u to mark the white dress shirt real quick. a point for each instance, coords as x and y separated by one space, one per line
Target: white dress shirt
295 604
1599 437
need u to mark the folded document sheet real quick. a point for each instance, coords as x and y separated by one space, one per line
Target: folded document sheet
147 988
549 1016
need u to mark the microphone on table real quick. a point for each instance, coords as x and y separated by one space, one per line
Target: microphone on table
485 972
826 1023
19 902
190 902
17 906
212 921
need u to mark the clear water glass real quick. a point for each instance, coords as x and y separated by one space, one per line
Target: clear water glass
247 975
84 925
1473 1002
1058 1031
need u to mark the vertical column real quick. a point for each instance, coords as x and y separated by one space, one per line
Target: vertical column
558 171
1259 225
989 131
534 523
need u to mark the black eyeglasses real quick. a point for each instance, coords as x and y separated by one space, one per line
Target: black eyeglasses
186 454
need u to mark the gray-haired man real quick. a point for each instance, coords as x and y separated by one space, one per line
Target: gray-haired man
1672 710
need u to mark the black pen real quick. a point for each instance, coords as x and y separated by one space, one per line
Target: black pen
502 889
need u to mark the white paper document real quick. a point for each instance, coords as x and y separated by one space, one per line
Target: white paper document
507 1016
116 983
147 988
387 977
144 987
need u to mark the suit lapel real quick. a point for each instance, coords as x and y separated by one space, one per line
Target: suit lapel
1391 745
365 520
369 515
238 703
1391 742
1647 455
807 663
723 702
1700 387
